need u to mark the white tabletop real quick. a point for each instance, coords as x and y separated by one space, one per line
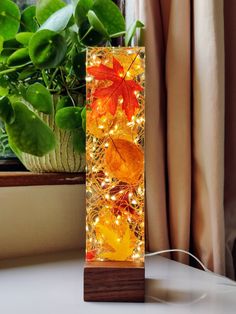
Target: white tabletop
54 285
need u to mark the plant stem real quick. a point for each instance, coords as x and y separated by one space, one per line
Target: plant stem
8 71
88 31
66 87
52 78
45 79
118 34
76 88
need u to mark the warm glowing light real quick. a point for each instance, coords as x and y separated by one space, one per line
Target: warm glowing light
115 155
96 220
131 124
139 190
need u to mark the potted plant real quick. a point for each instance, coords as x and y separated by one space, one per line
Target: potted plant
42 76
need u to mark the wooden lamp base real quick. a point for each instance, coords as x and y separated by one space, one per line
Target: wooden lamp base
114 282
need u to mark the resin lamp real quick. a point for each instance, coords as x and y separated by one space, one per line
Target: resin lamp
115 120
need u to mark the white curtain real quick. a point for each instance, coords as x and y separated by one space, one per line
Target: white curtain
185 131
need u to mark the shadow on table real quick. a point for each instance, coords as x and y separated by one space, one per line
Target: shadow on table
156 292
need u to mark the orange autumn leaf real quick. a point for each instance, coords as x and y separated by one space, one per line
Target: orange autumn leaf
107 98
124 160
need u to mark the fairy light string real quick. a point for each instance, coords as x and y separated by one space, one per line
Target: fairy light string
115 160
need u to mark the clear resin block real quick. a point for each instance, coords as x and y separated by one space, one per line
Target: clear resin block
115 123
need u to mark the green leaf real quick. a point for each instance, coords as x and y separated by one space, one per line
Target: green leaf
4 56
9 19
1 43
88 36
40 98
58 21
16 150
64 101
28 20
29 133
22 89
6 111
74 2
9 46
29 71
96 23
82 8
18 58
47 49
45 8
83 116
131 31
4 91
79 139
69 118
110 16
24 38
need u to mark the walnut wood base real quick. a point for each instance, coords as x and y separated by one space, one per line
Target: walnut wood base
114 282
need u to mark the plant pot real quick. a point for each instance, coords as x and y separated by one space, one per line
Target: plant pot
63 158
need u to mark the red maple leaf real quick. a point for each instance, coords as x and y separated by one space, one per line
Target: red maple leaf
90 255
107 98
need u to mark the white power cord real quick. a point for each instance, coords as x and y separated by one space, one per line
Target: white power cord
181 251
232 283
155 298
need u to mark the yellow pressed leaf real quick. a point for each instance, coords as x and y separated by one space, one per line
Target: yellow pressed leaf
121 249
108 235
